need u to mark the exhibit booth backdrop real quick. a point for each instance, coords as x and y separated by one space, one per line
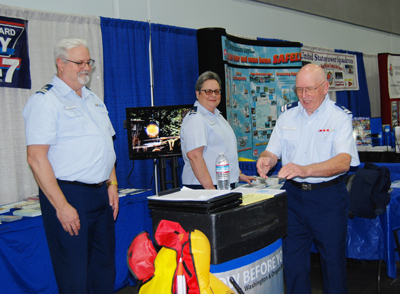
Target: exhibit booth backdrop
43 30
141 61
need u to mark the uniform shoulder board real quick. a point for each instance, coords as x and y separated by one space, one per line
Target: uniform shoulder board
343 108
193 110
45 89
289 105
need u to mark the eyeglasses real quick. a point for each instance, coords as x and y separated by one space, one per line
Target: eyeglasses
209 92
308 90
81 64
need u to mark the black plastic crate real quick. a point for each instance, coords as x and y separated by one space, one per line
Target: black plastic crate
235 232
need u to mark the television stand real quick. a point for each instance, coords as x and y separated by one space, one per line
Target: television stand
174 172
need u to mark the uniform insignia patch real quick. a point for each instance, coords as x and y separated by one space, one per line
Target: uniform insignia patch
289 105
343 108
193 110
45 89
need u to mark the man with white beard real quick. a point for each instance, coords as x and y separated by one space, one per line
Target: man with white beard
70 150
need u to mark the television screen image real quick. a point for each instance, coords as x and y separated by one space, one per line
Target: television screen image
155 131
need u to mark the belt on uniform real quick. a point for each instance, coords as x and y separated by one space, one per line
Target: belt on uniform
81 184
314 186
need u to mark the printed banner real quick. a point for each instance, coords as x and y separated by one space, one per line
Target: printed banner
257 273
340 69
259 80
393 70
14 53
255 56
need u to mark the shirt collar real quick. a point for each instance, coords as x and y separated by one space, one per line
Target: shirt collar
303 111
204 110
64 89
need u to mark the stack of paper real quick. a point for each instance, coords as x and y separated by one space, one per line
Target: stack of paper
28 212
198 201
4 210
9 218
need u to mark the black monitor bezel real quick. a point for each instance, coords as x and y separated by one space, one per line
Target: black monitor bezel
150 109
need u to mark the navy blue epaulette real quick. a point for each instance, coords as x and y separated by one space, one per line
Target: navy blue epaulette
45 89
193 110
343 108
289 105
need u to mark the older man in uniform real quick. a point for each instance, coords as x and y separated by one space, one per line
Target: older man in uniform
71 153
314 139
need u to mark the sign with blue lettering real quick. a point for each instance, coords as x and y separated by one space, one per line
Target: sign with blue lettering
14 54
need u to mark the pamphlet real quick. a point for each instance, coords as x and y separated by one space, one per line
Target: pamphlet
362 131
4 210
28 212
9 218
28 205
257 193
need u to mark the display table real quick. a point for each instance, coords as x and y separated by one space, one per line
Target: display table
368 239
25 265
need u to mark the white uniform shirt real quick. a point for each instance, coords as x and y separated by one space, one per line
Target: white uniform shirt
306 139
77 129
204 128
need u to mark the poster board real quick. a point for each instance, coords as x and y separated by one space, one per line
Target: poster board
362 131
257 77
393 71
340 69
389 83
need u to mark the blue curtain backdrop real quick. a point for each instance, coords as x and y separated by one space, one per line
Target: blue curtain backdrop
356 101
126 84
175 71
175 64
127 81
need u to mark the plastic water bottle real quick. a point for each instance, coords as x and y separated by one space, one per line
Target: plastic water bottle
222 172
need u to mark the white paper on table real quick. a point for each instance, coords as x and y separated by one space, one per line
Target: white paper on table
191 195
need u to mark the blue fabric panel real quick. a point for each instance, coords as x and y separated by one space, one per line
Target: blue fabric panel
356 101
25 263
134 217
126 84
175 64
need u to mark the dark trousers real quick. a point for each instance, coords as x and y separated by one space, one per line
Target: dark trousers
84 263
318 216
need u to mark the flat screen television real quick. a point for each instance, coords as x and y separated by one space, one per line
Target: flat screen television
155 131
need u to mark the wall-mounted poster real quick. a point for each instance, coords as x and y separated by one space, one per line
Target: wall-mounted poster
362 131
255 99
340 69
258 77
393 70
14 54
